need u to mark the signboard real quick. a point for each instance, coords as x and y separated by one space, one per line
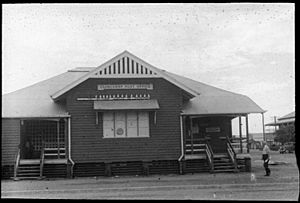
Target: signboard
124 86
213 130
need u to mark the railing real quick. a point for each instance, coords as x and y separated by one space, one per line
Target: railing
231 152
210 156
42 161
237 147
17 163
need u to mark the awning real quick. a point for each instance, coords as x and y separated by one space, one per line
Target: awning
151 104
221 104
280 122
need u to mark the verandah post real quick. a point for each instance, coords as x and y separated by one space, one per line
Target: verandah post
247 133
58 152
240 130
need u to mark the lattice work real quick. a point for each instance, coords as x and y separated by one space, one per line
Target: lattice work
45 133
125 66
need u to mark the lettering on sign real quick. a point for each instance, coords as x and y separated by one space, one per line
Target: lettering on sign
213 130
125 86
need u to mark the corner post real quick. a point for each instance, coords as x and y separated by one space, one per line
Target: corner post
247 133
240 130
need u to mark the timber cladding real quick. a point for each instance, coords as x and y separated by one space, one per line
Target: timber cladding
10 140
88 144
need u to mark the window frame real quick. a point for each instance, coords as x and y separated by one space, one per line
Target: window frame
126 124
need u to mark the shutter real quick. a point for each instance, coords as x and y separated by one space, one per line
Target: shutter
143 120
108 125
120 124
132 124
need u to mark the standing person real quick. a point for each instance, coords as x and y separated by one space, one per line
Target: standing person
28 148
266 158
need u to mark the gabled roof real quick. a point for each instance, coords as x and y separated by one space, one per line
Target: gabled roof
36 101
137 68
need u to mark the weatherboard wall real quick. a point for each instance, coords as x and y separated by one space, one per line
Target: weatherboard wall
10 140
88 144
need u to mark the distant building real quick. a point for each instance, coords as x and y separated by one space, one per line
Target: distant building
286 120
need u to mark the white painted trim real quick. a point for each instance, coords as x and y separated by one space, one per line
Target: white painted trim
156 73
181 136
69 145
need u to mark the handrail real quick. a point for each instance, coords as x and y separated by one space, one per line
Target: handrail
210 156
17 163
42 161
231 152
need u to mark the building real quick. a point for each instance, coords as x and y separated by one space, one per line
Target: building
122 117
287 120
283 121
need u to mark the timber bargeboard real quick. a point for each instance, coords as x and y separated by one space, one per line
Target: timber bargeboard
124 65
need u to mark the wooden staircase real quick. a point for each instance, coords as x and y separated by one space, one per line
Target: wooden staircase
34 168
28 169
223 163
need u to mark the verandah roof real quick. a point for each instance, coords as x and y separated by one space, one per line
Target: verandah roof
220 104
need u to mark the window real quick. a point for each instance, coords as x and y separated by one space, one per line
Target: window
125 124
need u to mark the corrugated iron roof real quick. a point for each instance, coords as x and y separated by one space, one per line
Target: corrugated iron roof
290 115
35 100
213 100
220 104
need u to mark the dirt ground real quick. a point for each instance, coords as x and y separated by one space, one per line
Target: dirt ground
283 184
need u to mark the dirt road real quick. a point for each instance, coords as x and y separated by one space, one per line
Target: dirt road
283 184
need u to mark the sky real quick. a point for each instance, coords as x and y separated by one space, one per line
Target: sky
240 47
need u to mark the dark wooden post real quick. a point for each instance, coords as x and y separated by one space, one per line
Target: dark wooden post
263 125
191 134
58 152
247 133
240 130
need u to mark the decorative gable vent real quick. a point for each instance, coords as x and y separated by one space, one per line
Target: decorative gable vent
125 67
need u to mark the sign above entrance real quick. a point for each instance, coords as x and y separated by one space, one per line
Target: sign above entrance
125 86
213 130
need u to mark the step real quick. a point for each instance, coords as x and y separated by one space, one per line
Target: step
223 167
195 145
27 174
55 154
28 170
28 166
195 150
223 170
52 149
29 178
223 164
29 161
